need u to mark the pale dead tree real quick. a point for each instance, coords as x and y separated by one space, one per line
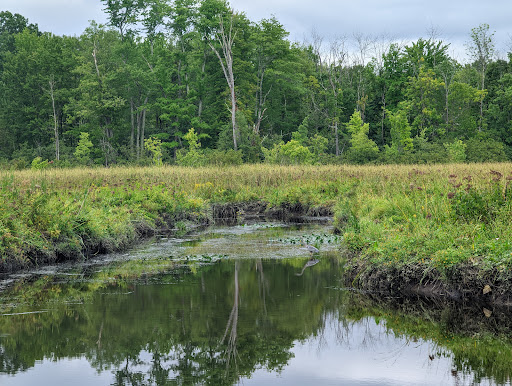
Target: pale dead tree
381 49
94 53
231 351
51 92
98 342
337 58
316 48
262 284
226 38
260 109
434 37
447 70
330 64
364 45
138 123
316 45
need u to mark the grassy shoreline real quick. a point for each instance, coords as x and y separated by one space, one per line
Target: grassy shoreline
420 225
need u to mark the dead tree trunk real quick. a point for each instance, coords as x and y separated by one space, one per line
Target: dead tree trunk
55 121
226 40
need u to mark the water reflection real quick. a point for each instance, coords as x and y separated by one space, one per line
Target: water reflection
225 321
309 263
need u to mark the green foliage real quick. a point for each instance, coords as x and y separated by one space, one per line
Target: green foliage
363 149
485 150
400 131
318 145
424 103
456 151
83 149
124 83
193 140
290 153
190 158
39 164
154 146
194 156
223 157
480 204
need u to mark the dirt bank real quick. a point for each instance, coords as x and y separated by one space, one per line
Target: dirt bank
458 283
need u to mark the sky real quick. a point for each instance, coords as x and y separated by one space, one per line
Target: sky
399 20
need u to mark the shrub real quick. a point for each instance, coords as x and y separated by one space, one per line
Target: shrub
485 150
456 151
223 157
83 149
290 153
39 164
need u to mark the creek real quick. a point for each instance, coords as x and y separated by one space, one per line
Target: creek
242 304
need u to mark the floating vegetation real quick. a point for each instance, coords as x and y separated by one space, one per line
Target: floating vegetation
204 258
312 239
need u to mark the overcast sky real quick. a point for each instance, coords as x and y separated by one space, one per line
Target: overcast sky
399 19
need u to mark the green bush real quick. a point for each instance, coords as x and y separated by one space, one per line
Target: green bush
290 153
223 157
39 164
485 150
456 151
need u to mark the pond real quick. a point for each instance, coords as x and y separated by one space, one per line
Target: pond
237 305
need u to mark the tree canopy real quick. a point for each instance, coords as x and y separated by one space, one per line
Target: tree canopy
161 68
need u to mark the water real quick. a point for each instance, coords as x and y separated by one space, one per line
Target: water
237 305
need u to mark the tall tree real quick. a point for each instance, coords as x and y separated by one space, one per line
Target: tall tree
123 14
222 46
270 46
481 48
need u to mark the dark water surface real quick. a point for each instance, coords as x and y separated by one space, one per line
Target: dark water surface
237 305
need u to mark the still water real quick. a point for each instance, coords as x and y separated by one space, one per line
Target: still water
237 305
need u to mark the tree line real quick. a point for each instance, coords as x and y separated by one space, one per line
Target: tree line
195 82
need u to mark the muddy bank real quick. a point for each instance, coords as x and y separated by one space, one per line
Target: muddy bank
164 224
289 212
463 283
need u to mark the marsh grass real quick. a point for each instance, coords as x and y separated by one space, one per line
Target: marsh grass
435 216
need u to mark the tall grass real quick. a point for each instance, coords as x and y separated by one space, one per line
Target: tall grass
436 216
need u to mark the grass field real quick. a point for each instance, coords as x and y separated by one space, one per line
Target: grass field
434 218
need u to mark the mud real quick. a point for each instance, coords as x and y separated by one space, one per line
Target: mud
463 283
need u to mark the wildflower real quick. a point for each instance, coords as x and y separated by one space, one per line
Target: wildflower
497 175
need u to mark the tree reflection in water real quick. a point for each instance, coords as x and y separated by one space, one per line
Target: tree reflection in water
219 323
231 352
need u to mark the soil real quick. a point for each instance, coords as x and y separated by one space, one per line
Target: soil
464 283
